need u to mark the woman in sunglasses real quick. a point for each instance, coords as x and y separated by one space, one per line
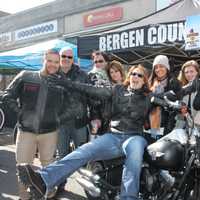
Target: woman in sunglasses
98 75
130 105
161 81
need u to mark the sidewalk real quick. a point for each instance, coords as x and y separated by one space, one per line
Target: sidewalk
8 181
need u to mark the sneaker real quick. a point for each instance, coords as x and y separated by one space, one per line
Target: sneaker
32 180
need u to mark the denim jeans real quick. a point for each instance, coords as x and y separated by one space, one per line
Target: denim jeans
66 134
105 147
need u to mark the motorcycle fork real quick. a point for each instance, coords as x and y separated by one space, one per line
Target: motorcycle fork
182 181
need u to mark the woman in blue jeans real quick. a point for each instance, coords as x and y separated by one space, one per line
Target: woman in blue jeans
130 104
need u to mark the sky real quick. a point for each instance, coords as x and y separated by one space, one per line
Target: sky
13 6
163 3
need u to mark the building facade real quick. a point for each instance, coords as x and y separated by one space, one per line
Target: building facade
68 19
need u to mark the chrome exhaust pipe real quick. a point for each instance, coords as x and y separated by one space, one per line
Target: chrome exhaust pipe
89 175
89 187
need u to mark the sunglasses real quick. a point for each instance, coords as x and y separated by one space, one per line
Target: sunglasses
98 61
64 56
137 74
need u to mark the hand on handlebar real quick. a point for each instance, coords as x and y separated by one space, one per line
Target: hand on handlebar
166 103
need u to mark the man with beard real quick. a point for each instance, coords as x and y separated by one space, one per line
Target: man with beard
38 108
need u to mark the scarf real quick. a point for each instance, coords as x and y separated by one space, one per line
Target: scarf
100 72
101 76
155 115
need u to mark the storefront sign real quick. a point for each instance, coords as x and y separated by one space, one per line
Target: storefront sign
144 36
37 30
102 17
5 38
192 33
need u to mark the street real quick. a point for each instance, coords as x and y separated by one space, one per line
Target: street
8 180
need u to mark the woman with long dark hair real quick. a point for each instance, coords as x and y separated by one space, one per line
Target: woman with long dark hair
161 81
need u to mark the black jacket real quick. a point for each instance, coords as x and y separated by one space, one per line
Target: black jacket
38 105
168 116
100 109
74 111
129 108
196 102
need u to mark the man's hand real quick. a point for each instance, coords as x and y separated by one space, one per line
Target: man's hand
58 80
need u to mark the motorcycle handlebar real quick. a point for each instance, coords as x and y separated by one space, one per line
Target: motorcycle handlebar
177 105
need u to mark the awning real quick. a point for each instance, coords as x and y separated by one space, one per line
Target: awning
31 57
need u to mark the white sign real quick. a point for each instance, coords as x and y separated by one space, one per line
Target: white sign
5 37
37 30
192 33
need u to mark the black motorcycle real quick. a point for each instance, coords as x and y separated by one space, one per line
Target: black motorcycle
170 171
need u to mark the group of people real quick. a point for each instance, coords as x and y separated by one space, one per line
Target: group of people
56 104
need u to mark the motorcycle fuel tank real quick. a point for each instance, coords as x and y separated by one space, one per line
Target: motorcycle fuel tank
166 154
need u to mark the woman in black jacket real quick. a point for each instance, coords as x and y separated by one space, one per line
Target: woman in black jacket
161 81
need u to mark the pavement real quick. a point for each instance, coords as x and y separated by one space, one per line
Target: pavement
8 180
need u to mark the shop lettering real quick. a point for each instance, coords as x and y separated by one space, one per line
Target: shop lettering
5 37
149 35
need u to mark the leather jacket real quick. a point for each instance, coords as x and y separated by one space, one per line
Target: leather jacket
74 111
129 108
168 116
100 109
196 103
38 105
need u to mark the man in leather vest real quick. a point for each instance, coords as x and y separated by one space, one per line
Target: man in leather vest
38 107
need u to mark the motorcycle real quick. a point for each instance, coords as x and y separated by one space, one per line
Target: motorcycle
170 171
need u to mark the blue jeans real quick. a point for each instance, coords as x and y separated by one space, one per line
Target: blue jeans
66 134
105 147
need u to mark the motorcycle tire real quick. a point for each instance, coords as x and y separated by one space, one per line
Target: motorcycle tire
2 119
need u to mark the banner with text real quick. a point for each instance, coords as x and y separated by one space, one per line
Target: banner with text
141 37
